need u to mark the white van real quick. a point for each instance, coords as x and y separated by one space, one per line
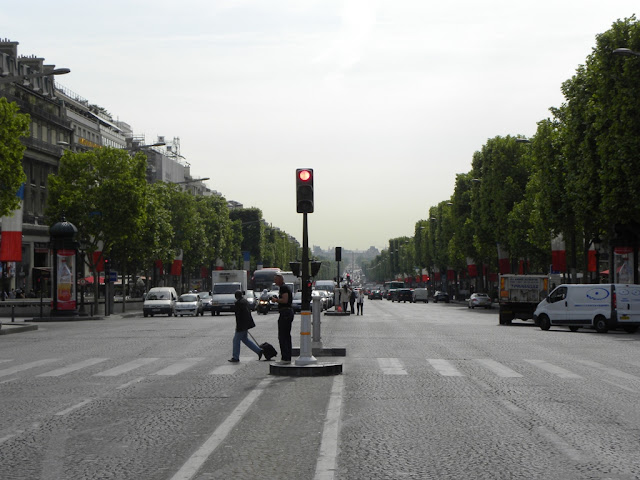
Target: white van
160 300
599 306
421 295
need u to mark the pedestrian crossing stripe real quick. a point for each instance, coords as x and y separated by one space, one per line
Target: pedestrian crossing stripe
387 366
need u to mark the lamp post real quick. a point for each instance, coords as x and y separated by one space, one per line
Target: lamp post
15 78
626 52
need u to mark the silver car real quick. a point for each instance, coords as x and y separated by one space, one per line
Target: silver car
479 300
189 304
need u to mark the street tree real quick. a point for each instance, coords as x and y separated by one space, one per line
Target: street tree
13 125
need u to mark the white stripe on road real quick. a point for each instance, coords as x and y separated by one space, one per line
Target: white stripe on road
179 366
559 371
72 368
127 367
562 445
191 467
391 366
125 385
26 366
226 369
498 368
611 371
74 407
444 367
326 465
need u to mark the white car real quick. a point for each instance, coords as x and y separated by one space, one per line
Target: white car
189 304
479 300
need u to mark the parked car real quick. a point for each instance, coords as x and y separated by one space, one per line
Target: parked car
189 304
441 297
479 300
390 293
206 301
404 295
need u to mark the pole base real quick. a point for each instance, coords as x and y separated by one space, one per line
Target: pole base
316 370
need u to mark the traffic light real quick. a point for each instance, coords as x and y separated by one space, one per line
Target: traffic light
295 268
107 265
338 254
304 190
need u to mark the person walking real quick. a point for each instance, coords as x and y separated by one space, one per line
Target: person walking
244 321
360 301
285 319
352 301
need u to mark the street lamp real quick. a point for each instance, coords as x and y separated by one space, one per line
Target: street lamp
626 51
15 78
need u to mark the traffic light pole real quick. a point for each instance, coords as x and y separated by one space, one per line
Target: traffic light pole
306 355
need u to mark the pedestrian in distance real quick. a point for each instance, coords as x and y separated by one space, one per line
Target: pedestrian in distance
360 301
352 301
344 298
285 319
244 322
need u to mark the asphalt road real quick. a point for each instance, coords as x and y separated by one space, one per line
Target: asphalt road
429 391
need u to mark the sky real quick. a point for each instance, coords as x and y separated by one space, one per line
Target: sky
387 100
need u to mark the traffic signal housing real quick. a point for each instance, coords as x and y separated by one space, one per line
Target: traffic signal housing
304 190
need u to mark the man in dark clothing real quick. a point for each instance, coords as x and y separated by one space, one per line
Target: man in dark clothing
244 322
352 301
285 319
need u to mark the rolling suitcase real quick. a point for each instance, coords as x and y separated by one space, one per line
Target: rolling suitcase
268 350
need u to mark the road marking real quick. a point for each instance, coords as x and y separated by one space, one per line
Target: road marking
628 389
6 360
74 407
498 368
125 385
326 465
193 464
179 366
4 439
8 380
559 371
72 368
391 366
127 367
226 369
611 371
26 366
444 367
562 445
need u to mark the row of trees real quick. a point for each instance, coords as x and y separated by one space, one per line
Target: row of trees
104 193
577 179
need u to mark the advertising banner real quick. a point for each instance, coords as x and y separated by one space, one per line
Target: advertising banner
66 286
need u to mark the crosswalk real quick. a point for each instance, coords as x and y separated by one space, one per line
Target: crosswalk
165 367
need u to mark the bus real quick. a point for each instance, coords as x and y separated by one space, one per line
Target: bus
392 285
263 279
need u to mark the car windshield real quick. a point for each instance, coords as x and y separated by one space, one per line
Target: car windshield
157 296
188 298
481 295
297 296
204 296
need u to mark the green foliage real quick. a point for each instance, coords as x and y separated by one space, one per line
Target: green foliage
13 125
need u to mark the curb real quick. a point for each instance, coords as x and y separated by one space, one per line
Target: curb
8 328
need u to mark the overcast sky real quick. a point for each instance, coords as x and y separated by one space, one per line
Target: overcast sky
386 100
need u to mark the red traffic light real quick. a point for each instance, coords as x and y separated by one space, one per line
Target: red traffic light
304 175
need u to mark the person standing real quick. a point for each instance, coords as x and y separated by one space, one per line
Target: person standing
285 319
344 297
360 301
244 321
352 300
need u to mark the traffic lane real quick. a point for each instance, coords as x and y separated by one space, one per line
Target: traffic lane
494 360
149 425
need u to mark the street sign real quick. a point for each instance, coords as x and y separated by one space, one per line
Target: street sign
113 276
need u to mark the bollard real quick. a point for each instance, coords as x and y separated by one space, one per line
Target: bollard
316 342
13 313
306 357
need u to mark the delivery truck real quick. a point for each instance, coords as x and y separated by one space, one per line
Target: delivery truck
519 295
